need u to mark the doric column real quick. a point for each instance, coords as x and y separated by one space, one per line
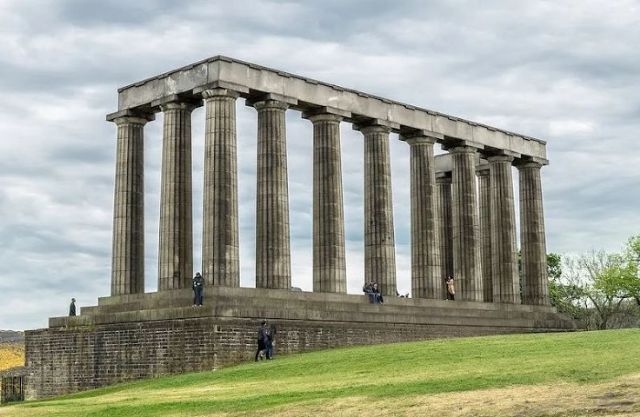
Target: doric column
127 265
466 230
175 260
329 268
273 257
484 192
425 251
220 242
532 235
445 227
379 245
504 260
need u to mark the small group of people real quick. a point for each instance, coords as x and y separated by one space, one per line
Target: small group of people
197 284
373 292
265 342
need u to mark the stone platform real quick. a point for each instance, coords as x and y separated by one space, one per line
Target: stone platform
136 336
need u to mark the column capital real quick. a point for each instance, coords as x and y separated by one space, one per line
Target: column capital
176 102
325 113
372 128
255 100
374 125
178 105
463 149
530 162
418 136
270 104
418 140
500 158
222 85
213 93
323 117
130 116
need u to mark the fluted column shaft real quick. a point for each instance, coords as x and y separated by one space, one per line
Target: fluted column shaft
220 241
127 265
445 228
273 256
425 250
484 191
329 268
466 230
532 236
379 242
175 258
506 285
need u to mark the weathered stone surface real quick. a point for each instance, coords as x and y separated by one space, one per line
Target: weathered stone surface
466 229
135 336
445 227
273 254
484 193
329 268
220 241
127 265
426 269
532 236
175 259
504 264
379 241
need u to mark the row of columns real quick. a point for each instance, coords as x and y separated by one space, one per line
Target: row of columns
454 231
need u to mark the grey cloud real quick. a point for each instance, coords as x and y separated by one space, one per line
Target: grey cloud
563 71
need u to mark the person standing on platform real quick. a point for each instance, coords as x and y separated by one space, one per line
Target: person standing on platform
451 289
198 289
72 308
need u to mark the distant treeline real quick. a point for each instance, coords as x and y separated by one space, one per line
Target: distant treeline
11 336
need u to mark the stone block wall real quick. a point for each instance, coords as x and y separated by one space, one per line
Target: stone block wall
64 360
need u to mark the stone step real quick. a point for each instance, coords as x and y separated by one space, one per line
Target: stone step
297 310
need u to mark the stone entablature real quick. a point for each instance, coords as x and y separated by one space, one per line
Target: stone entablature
251 80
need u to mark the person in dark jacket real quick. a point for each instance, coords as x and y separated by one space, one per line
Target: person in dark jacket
72 308
198 289
263 339
271 333
368 290
377 296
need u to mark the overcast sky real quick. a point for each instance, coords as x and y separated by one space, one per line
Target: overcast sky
564 71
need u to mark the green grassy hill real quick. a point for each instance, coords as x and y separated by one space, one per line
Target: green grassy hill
595 373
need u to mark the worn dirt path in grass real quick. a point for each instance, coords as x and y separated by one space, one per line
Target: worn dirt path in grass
620 397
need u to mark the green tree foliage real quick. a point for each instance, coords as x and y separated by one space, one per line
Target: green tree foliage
631 255
600 289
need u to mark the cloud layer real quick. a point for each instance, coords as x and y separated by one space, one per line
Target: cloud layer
565 72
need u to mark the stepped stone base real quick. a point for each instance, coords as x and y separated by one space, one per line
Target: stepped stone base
131 337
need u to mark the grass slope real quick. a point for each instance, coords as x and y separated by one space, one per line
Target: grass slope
400 379
11 355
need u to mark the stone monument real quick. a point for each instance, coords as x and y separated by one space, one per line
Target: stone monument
462 223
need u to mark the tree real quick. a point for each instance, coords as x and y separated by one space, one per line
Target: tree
631 280
564 296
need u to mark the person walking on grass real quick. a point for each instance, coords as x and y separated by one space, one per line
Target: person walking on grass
271 333
263 339
198 289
